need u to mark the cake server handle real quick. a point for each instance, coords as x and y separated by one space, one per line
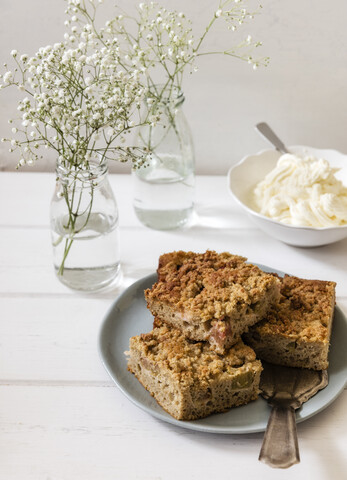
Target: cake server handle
280 447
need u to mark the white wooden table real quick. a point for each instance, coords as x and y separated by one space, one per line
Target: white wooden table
60 415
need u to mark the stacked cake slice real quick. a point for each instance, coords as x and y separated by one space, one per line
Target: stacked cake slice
190 380
211 297
194 362
296 331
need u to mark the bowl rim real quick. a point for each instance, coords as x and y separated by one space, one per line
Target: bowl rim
264 217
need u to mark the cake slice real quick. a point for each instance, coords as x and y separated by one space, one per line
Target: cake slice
296 333
190 380
211 297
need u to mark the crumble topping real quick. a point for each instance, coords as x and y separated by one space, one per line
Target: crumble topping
303 312
190 362
209 285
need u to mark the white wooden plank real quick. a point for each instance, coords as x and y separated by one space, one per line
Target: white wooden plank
26 257
51 340
28 197
25 198
95 433
54 340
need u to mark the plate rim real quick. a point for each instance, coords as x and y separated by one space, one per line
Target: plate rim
188 424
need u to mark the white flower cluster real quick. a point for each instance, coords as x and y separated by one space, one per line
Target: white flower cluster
163 45
77 93
82 93
164 39
236 14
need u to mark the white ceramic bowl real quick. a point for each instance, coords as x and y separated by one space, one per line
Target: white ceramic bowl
243 177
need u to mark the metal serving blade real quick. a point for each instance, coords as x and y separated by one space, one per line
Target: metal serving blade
264 129
286 389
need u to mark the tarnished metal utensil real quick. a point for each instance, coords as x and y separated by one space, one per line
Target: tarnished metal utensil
286 389
264 129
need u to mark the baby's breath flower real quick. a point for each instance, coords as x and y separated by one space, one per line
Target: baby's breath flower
7 77
63 108
85 92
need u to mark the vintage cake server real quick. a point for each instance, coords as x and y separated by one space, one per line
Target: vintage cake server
286 389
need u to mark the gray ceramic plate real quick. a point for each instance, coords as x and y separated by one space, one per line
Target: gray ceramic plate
129 316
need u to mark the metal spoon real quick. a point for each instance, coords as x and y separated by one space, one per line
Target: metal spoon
286 389
264 129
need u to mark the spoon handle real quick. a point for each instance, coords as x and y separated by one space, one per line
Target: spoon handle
270 135
280 447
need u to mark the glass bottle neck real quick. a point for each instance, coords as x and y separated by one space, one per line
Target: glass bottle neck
167 96
93 171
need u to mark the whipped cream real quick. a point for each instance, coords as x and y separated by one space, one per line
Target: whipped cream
302 191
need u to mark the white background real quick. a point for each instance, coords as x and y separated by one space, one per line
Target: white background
302 93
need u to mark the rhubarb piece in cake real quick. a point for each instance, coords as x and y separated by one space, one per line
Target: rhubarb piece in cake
296 332
211 297
189 379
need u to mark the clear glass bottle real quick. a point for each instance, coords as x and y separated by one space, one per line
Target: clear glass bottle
84 227
164 188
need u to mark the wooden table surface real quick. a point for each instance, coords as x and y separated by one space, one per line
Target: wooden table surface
61 417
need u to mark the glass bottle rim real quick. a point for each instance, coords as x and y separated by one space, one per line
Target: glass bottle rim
176 95
85 172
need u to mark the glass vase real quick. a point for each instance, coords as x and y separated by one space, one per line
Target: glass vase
164 186
84 227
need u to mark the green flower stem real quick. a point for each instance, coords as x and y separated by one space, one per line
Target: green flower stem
68 244
74 213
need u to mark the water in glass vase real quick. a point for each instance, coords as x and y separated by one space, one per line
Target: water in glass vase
163 193
91 256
